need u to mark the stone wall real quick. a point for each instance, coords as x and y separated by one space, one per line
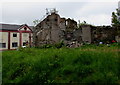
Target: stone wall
86 33
96 34
103 34
54 29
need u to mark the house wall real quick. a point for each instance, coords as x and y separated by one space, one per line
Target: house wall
25 38
14 39
4 39
22 29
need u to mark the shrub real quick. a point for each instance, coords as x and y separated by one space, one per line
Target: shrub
59 45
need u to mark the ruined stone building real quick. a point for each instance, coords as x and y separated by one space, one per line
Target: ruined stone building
99 33
54 29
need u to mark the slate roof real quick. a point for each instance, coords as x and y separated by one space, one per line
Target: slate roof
11 27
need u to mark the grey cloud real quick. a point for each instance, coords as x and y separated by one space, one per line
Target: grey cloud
26 12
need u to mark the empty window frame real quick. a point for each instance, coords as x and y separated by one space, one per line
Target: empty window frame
2 45
14 44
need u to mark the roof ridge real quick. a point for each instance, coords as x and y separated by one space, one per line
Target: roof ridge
11 26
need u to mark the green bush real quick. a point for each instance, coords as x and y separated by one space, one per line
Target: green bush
57 45
46 46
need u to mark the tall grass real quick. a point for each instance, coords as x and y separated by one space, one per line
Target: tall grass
89 64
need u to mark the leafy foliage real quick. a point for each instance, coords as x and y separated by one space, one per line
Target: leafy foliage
57 45
89 64
115 21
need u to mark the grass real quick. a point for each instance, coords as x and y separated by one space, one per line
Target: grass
88 64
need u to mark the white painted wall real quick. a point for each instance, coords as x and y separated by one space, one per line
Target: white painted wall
25 37
4 39
14 39
24 29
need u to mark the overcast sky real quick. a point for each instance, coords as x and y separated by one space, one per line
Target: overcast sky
96 12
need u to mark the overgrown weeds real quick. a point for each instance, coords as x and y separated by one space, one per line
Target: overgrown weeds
89 64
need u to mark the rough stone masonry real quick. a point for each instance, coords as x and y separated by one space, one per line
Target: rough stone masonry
54 29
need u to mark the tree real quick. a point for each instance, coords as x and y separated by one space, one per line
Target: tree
115 21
